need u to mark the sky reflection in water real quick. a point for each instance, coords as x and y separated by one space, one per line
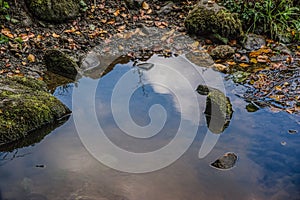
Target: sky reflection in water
266 169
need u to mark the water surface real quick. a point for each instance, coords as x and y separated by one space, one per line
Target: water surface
60 167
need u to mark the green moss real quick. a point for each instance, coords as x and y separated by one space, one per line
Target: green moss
25 106
54 10
201 21
218 111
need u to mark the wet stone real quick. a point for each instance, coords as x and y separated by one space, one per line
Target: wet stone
254 42
222 52
226 161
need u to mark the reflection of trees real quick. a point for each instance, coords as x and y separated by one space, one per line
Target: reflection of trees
5 157
218 111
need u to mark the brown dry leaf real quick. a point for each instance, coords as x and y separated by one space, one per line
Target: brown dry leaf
195 44
31 58
231 63
24 37
6 32
72 30
145 6
55 35
220 67
262 58
244 65
253 60
261 51
24 63
117 12
121 28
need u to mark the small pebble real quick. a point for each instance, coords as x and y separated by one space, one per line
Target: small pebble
292 132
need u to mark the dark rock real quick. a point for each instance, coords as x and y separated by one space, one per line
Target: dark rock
60 63
226 161
254 42
222 52
210 18
134 4
25 105
55 10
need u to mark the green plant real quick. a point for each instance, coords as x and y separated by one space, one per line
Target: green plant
4 7
277 18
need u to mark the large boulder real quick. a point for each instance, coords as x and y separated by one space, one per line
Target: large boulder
25 105
55 10
208 18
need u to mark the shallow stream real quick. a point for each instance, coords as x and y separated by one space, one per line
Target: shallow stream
161 97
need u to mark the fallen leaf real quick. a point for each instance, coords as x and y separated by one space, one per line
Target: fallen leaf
117 12
219 67
231 63
145 6
244 65
7 33
262 58
31 58
55 35
253 60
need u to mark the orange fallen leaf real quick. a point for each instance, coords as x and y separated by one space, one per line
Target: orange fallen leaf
230 63
244 65
117 12
262 58
253 60
6 32
145 6
55 35
31 58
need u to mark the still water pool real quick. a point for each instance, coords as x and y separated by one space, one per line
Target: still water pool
65 164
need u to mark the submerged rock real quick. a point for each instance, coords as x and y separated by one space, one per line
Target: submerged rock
55 10
25 105
209 18
200 58
226 161
60 63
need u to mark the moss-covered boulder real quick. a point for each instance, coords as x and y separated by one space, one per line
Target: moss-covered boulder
25 105
218 111
60 63
209 18
55 10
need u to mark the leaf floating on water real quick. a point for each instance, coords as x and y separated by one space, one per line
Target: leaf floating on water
227 161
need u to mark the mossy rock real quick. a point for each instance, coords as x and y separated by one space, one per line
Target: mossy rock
54 10
25 105
60 63
218 111
212 19
222 52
